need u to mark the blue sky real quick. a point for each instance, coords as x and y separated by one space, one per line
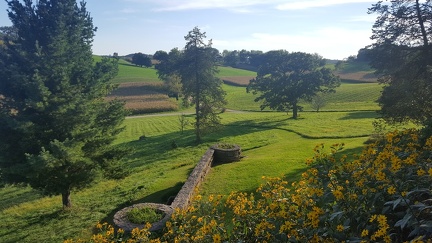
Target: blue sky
335 29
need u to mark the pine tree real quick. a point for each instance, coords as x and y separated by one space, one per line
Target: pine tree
401 55
198 74
56 129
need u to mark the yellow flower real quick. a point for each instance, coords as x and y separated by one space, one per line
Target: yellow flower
430 172
340 228
365 233
338 194
380 176
421 172
391 190
216 238
382 219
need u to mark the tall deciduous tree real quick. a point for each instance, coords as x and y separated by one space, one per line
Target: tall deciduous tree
197 72
402 58
286 78
168 70
56 129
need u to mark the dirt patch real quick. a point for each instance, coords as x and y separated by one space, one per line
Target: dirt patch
363 76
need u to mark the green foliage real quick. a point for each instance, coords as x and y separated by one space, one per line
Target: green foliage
402 58
59 127
382 195
286 78
200 84
225 145
141 59
144 215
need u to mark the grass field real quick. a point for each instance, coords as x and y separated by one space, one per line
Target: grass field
272 143
348 97
158 170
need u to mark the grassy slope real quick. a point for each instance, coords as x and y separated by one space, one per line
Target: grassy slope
348 97
158 170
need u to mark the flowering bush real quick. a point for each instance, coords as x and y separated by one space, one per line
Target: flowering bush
383 195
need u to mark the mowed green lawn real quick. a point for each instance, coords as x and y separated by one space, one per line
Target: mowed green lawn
272 143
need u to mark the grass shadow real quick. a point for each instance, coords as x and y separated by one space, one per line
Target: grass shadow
361 115
12 195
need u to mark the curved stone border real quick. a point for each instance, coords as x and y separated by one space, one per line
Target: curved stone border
181 201
120 218
226 155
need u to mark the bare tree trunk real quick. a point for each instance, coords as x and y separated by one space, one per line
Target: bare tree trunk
295 111
66 200
197 104
421 22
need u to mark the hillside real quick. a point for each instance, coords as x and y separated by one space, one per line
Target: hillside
356 71
144 93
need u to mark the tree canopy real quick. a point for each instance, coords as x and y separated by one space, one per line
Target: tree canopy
141 59
194 69
401 56
55 126
200 84
286 78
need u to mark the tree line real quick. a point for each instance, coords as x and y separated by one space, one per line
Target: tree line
244 59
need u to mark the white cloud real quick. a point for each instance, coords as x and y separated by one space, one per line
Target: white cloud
241 5
332 43
297 5
178 5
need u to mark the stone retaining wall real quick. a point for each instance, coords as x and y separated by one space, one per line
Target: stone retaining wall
181 201
197 176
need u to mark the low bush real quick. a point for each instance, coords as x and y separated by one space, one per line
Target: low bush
383 195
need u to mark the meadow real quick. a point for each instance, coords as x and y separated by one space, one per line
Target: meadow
144 93
271 142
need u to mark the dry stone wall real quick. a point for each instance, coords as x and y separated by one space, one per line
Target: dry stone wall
197 176
181 201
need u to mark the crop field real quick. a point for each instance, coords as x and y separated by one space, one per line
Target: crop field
146 97
237 81
272 144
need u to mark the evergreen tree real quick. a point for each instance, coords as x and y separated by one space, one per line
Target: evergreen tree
402 57
56 129
197 72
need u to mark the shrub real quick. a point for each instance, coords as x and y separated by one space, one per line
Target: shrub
383 195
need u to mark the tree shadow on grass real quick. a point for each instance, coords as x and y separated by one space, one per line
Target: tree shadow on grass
128 64
361 115
150 150
15 195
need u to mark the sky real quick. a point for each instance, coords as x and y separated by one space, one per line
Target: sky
335 29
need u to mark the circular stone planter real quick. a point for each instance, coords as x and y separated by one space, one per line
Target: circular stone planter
121 220
224 154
